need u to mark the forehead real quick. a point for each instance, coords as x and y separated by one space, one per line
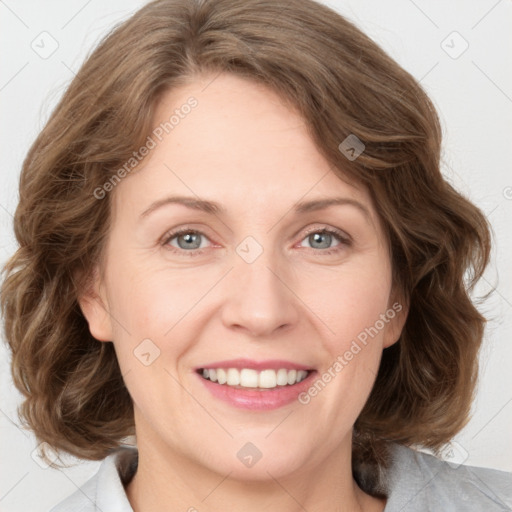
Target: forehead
240 144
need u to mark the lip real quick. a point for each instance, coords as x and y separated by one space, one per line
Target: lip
270 364
257 399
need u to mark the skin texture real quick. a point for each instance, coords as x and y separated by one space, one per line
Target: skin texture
245 149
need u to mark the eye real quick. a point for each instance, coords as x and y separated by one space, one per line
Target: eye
323 239
193 243
186 241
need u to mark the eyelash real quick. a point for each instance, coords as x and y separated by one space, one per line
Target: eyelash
339 235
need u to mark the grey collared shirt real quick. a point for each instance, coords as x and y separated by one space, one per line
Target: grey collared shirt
416 482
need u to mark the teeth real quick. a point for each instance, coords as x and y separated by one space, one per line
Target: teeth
221 376
301 375
249 378
268 379
282 377
233 377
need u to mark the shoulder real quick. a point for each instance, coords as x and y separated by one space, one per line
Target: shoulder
419 481
105 490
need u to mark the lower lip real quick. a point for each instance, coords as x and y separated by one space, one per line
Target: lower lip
256 399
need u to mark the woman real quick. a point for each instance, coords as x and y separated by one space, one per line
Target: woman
236 244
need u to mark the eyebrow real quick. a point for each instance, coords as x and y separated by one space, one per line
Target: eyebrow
214 208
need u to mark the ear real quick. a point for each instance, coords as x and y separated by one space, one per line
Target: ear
94 305
397 313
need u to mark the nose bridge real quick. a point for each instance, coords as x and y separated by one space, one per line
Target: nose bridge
258 299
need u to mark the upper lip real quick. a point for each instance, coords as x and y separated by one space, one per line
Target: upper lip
269 364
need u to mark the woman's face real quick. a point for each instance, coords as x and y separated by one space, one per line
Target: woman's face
253 283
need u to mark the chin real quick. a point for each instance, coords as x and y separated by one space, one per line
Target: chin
263 459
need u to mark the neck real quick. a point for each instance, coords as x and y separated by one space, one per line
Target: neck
176 482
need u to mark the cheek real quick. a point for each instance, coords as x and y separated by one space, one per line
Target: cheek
350 303
351 309
162 305
152 301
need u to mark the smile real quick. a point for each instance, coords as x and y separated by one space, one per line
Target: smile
251 378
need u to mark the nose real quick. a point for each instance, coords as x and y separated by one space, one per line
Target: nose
260 298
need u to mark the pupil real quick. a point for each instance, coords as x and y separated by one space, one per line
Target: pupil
319 237
191 240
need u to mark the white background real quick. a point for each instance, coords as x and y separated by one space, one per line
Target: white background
472 92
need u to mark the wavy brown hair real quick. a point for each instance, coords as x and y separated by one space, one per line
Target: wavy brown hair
341 83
